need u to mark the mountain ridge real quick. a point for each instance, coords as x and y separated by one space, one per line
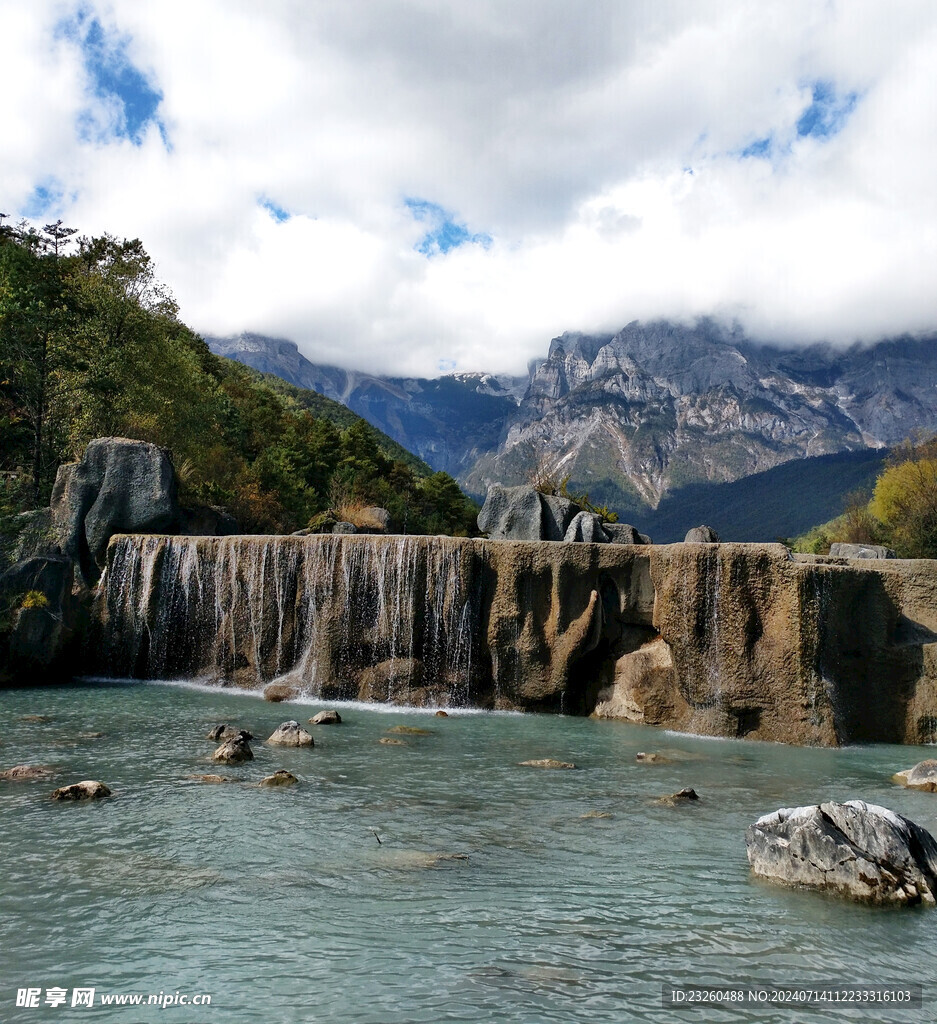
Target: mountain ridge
641 413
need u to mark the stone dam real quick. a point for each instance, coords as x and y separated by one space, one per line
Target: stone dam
721 639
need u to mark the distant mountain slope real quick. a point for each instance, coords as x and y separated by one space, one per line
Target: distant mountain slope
782 502
449 422
644 414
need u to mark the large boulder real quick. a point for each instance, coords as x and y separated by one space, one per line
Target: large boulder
701 535
586 528
853 849
120 486
522 513
624 533
860 551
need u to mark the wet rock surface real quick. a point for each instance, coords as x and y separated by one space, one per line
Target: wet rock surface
233 751
27 772
290 734
326 718
922 776
854 849
86 790
546 762
281 777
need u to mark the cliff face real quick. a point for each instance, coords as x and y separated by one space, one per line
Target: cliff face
737 640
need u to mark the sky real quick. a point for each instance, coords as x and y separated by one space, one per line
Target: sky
419 186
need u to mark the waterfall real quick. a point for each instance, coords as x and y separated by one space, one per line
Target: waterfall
335 616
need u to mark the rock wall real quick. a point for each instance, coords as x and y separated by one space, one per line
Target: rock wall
723 639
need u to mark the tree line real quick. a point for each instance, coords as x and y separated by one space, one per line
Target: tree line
91 345
900 512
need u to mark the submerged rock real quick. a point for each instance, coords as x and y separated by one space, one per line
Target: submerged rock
409 730
442 714
390 741
290 734
281 777
854 849
326 718
38 719
652 758
686 795
922 776
546 762
234 751
87 790
27 772
594 814
210 778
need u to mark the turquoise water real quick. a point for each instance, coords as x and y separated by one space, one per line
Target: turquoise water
282 905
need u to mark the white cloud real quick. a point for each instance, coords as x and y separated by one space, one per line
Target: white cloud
597 144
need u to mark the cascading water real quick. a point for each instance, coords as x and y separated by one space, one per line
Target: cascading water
327 614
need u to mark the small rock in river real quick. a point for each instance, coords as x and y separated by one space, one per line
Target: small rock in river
87 790
290 734
26 772
326 718
280 777
922 776
546 762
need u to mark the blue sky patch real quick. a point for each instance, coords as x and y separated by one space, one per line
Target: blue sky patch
443 231
276 212
114 79
760 148
44 200
827 113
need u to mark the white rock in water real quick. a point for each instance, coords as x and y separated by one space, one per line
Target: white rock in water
854 849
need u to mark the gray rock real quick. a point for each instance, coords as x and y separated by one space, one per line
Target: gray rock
853 849
922 776
87 790
512 513
120 486
233 751
290 734
860 551
326 718
556 513
522 513
587 528
701 535
623 533
547 762
344 528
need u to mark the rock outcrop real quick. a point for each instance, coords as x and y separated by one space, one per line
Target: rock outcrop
853 849
586 528
721 639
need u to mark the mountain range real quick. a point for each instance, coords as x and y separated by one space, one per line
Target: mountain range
647 417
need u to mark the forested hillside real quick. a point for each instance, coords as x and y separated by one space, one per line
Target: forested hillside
91 345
